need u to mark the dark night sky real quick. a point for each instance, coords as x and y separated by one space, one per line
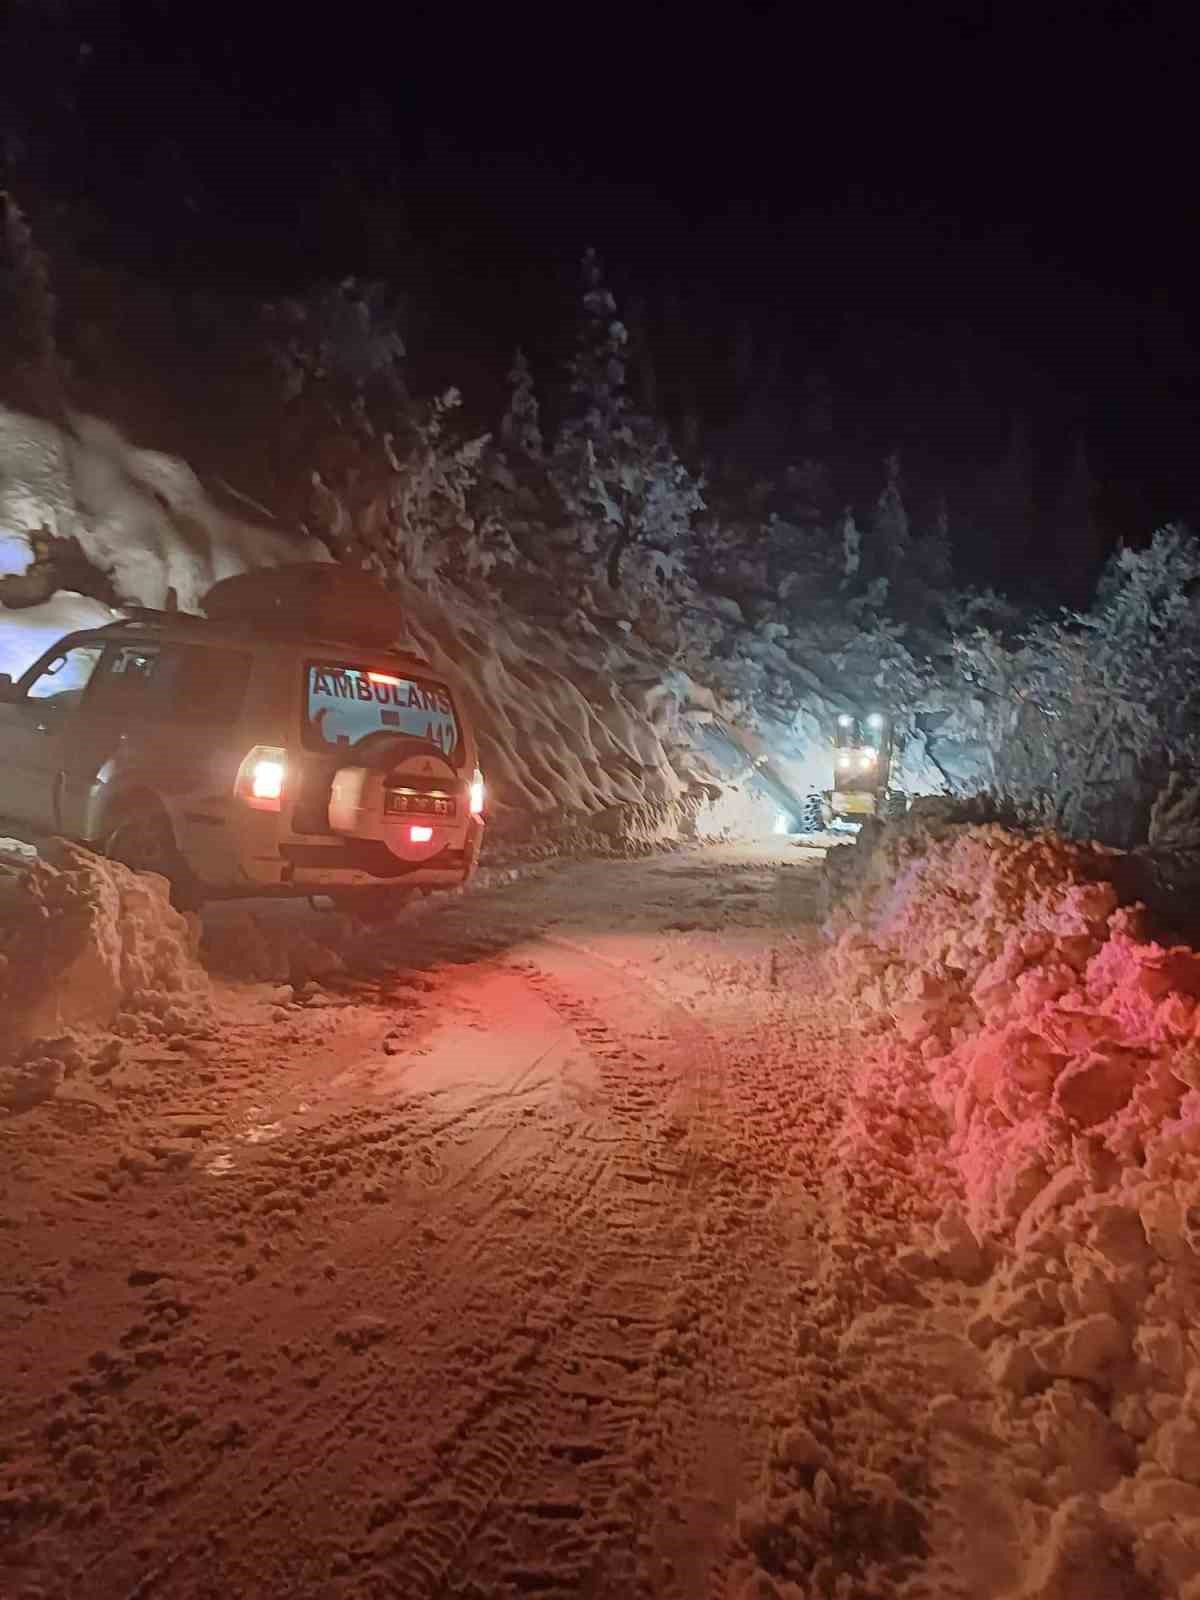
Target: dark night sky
933 167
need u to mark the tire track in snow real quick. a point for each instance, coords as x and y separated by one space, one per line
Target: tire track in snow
593 1171
569 1496
560 1346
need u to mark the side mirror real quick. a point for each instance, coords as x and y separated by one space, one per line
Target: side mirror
8 689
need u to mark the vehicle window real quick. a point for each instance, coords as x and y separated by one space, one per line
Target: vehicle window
125 678
133 663
203 686
345 704
64 677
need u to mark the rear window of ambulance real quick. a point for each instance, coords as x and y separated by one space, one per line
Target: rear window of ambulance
345 704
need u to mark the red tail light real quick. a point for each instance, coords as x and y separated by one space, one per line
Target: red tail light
420 835
476 795
261 778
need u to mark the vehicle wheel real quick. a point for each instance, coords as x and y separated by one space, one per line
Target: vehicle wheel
893 806
812 818
370 905
141 839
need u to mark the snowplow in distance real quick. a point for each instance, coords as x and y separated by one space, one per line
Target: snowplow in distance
862 768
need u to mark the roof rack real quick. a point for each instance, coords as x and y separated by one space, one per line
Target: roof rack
256 626
149 614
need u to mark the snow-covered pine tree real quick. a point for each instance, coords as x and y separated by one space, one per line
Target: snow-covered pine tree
521 427
615 469
1113 695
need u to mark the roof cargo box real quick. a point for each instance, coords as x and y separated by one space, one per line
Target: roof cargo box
318 598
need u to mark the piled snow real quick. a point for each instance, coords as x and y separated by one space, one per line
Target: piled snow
1037 1071
142 518
25 634
87 945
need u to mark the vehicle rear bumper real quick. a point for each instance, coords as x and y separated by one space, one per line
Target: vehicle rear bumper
354 863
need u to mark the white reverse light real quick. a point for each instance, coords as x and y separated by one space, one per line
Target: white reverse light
266 782
476 795
261 778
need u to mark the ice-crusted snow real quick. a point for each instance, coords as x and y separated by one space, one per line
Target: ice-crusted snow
1035 1068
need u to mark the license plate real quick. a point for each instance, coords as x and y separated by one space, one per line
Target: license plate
420 805
856 804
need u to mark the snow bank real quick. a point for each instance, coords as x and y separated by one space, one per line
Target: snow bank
26 633
1037 1072
87 945
142 518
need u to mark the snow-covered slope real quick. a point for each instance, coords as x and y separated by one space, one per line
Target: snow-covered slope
586 718
570 728
141 518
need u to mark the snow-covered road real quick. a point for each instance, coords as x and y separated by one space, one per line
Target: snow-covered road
516 1259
